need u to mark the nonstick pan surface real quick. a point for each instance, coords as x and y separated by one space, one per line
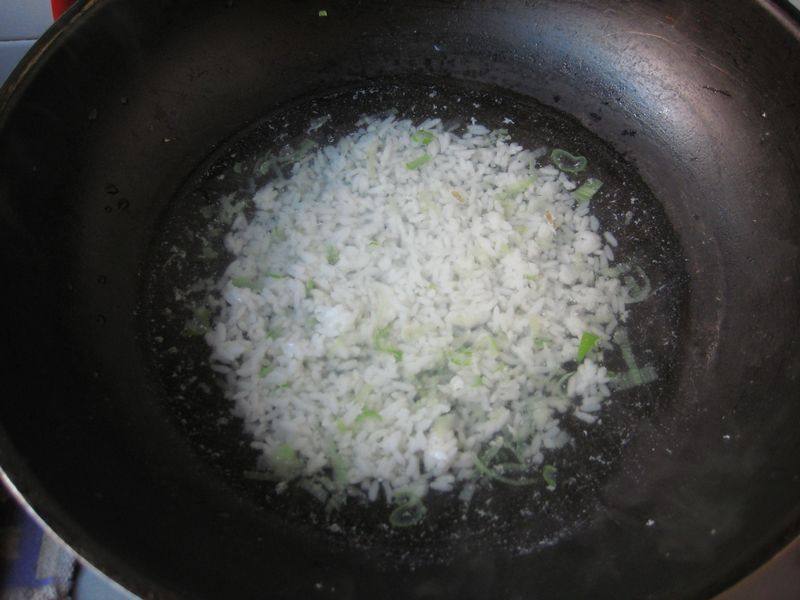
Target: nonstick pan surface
125 127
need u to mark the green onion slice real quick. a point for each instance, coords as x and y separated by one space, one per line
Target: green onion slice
410 513
332 255
367 414
568 162
549 473
589 188
588 341
418 162
381 342
462 357
516 188
496 472
245 282
423 136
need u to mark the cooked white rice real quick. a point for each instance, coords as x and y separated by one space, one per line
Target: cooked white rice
380 325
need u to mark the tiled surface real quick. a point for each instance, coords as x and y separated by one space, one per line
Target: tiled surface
10 55
35 566
21 23
91 585
24 19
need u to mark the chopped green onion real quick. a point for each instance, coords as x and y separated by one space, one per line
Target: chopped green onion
381 341
634 378
332 254
310 287
568 162
264 371
561 384
621 338
418 162
589 188
341 425
498 471
283 386
406 495
636 292
317 123
397 353
540 342
367 414
373 244
323 13
516 188
462 357
305 147
264 166
479 381
492 452
285 461
422 136
485 469
289 156
408 514
273 334
500 134
531 277
549 475
511 467
276 276
245 282
588 341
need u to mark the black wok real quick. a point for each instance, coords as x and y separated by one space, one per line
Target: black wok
128 118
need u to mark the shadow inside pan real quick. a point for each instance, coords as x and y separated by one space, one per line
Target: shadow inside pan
187 252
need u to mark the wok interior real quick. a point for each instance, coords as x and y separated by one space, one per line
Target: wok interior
138 474
513 519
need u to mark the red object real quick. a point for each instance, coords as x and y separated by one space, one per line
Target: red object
59 6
